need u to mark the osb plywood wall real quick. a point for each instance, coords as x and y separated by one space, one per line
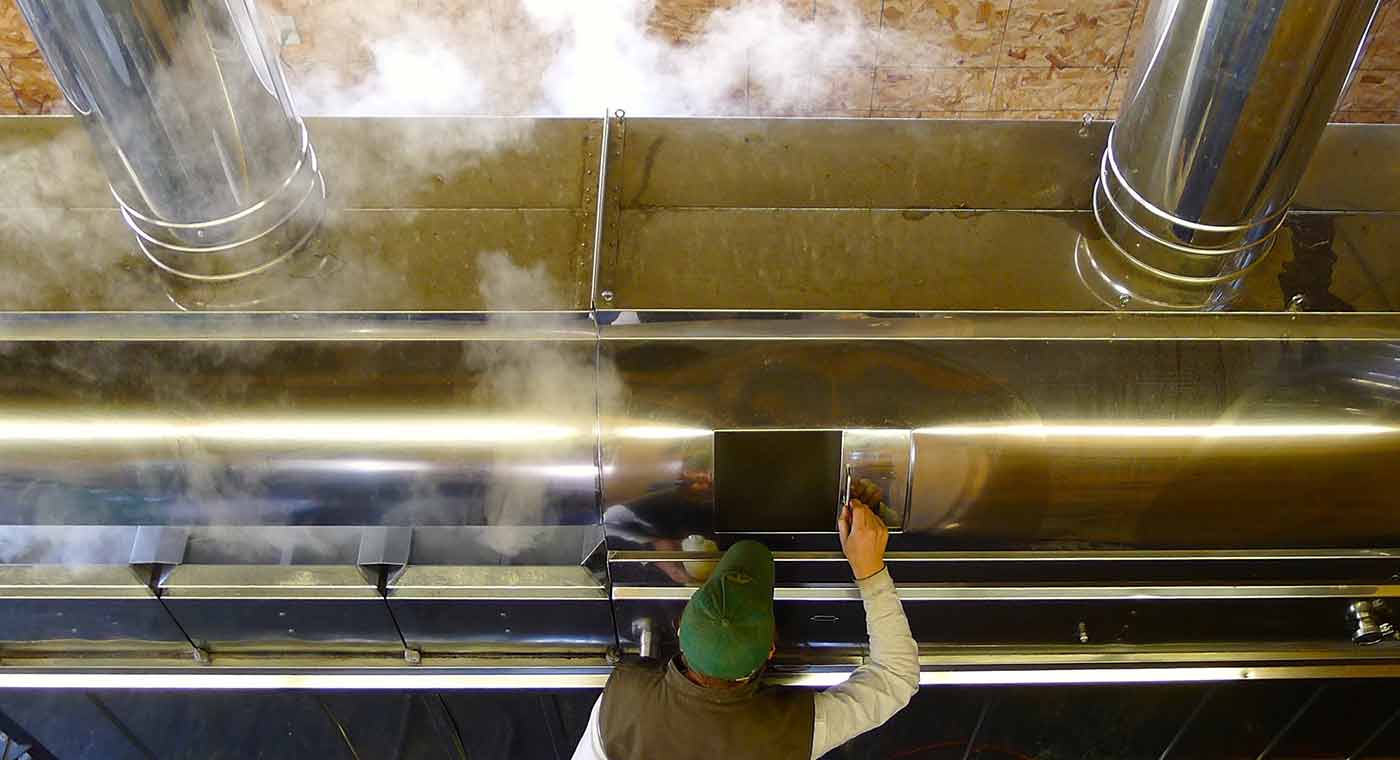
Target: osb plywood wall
1018 59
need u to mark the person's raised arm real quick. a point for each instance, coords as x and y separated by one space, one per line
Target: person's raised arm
887 681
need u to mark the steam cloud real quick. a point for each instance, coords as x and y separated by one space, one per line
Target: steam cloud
572 58
536 380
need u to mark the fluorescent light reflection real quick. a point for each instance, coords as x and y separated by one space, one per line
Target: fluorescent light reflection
444 430
562 471
662 432
1162 430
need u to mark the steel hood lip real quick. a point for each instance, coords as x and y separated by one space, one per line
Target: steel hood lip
577 326
210 680
506 583
263 582
964 666
55 582
260 326
1243 555
497 594
1004 593
1008 325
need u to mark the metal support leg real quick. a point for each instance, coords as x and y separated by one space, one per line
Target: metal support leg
977 728
1371 739
1297 716
1186 724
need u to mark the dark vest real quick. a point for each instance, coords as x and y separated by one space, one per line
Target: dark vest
653 712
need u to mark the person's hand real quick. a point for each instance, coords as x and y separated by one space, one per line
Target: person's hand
863 538
865 491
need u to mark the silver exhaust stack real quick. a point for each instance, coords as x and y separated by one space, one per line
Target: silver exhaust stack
190 115
1225 107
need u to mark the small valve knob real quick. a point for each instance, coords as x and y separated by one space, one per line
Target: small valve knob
1366 622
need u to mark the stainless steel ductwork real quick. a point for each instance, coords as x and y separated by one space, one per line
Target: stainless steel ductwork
187 108
1221 117
389 476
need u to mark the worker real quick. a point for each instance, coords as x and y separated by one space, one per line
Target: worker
708 702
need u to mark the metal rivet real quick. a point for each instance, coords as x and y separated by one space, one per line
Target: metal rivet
607 295
1125 300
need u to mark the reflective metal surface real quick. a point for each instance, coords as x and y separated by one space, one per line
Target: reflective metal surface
919 593
187 109
990 666
518 608
434 477
1033 444
1056 403
418 209
907 215
63 608
249 607
295 433
1225 106
452 406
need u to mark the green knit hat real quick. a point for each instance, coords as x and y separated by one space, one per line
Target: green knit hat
727 627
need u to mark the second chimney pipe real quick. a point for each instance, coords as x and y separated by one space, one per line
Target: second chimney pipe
1224 109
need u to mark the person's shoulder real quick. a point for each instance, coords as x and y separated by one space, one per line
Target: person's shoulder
636 668
633 677
786 694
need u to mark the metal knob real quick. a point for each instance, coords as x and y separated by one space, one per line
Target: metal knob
1367 628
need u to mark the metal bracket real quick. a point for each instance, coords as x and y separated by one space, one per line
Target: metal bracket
383 554
595 162
609 235
156 551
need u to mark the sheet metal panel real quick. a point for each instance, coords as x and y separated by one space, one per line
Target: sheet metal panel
889 259
421 162
905 163
1091 444
227 608
414 204
811 626
297 433
97 608
519 608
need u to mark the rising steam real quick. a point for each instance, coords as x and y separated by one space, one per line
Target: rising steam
543 380
573 58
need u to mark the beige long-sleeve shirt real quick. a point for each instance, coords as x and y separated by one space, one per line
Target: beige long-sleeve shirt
872 695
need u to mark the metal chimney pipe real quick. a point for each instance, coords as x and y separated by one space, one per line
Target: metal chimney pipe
191 117
1224 109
